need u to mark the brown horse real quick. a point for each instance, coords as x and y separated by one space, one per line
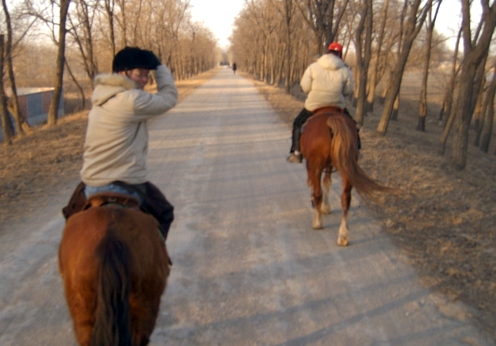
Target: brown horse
330 139
114 265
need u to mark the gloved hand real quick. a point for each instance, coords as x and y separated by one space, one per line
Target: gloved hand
152 59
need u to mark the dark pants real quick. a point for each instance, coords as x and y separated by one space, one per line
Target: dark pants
154 203
298 123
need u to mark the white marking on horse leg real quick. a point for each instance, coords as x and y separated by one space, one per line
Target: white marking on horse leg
317 224
343 232
326 209
325 203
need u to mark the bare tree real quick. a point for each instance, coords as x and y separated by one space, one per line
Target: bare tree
415 20
448 95
376 60
363 44
20 123
321 18
476 48
6 126
60 63
81 31
431 22
109 6
488 113
287 13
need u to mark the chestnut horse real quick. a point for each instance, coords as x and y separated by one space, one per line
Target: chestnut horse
329 139
114 265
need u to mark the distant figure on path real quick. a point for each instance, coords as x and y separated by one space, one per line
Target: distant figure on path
234 68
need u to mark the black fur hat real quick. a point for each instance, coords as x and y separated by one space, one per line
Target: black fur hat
133 57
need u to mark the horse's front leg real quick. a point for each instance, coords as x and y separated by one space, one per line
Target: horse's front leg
345 205
326 208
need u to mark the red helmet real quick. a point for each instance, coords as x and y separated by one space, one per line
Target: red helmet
336 47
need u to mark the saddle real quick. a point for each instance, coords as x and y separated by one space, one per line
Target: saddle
112 199
328 109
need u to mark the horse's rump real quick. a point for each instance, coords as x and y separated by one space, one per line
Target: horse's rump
330 139
114 266
345 156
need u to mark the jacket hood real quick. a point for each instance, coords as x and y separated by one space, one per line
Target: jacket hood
109 85
330 62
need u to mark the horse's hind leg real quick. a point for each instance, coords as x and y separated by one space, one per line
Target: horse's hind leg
325 208
345 205
314 177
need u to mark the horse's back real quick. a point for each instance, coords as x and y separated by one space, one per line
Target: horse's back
84 230
79 261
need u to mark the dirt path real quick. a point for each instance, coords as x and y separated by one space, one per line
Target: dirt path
247 266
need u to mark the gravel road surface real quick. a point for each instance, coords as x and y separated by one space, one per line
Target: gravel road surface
248 267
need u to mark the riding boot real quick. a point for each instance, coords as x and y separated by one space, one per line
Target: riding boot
295 139
76 202
359 140
159 207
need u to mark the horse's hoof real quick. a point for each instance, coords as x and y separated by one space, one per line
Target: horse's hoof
325 210
317 227
342 241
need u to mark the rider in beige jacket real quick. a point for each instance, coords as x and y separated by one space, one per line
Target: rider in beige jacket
327 82
116 143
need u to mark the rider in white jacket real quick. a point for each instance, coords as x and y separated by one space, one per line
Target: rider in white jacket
327 82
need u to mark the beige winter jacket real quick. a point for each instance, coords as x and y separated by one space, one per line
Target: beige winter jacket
116 143
327 82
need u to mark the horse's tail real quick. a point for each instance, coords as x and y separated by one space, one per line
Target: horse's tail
344 157
112 316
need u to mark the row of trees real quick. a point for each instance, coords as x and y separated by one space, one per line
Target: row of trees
277 39
57 43
273 39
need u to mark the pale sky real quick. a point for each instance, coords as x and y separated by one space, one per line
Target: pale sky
219 15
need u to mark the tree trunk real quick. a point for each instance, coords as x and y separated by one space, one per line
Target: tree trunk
450 90
431 22
6 126
109 10
60 64
78 85
374 70
479 114
288 20
363 48
20 123
474 55
487 128
396 108
412 29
